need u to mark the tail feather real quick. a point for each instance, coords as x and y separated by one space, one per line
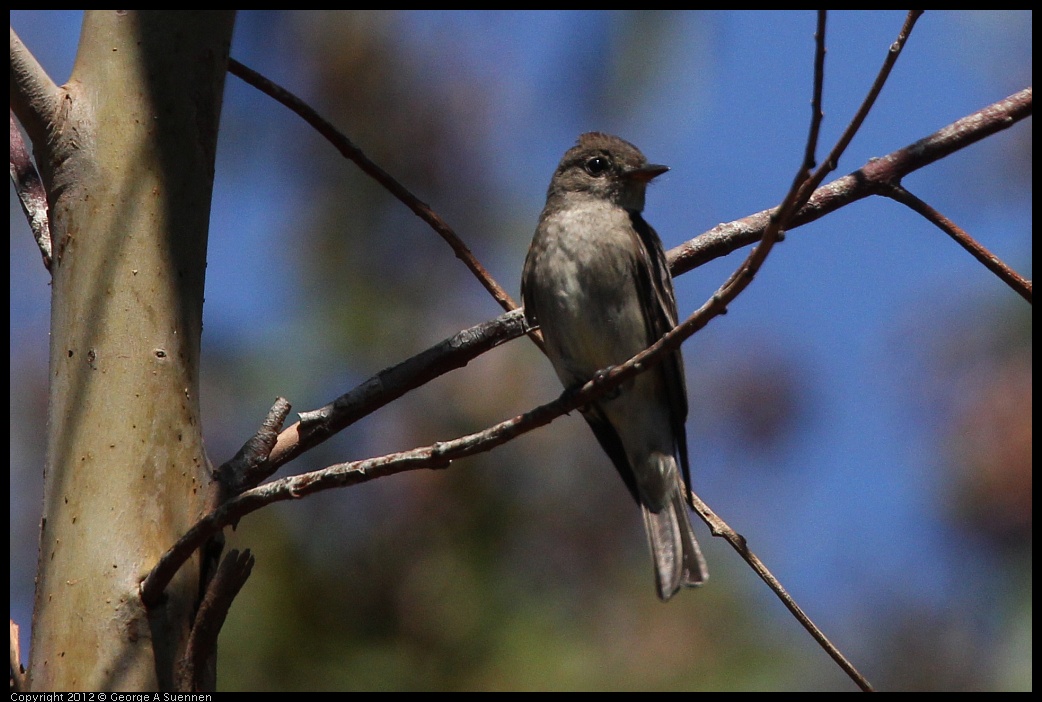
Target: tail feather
678 559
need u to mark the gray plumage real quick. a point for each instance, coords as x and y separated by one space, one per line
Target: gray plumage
597 284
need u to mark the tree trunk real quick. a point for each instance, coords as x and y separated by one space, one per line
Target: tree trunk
128 162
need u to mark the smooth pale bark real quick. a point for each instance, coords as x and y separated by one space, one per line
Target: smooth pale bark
129 169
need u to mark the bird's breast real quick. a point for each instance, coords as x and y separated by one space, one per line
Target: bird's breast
589 305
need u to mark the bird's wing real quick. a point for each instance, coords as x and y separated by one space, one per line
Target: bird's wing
655 287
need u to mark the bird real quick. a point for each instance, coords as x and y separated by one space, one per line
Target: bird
596 282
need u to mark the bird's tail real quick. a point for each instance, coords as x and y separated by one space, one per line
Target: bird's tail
678 559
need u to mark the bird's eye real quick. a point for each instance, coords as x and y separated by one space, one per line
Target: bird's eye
598 165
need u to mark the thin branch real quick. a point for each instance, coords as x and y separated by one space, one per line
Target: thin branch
391 383
34 96
352 152
248 467
780 216
34 101
817 114
720 528
197 671
871 179
831 162
31 194
992 262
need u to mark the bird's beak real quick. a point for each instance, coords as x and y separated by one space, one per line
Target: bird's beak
644 174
